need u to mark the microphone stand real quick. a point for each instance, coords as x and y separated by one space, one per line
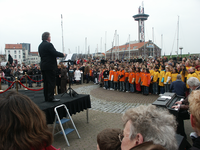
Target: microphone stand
71 91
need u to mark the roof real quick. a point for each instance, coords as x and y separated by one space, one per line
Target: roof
134 46
35 53
13 46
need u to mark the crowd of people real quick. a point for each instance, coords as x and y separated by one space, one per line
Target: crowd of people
145 127
146 76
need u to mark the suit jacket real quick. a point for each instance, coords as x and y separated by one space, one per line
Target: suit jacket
48 56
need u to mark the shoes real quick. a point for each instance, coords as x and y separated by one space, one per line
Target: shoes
104 88
55 100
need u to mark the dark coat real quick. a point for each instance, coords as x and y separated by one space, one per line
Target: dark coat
48 56
178 87
196 144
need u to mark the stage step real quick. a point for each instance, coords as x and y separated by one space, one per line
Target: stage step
62 121
67 131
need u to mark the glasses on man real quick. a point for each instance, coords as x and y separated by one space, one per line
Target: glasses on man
121 136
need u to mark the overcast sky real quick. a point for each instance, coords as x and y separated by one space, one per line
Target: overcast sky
24 21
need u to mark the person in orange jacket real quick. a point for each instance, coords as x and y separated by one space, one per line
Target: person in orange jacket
137 80
115 80
126 80
146 81
131 79
142 73
111 76
122 79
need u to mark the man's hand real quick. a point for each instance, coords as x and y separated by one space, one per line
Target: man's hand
178 102
176 107
64 54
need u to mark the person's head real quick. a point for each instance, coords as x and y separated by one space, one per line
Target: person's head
147 70
46 36
174 70
178 76
167 68
108 139
148 123
194 105
23 124
162 67
192 69
193 83
63 66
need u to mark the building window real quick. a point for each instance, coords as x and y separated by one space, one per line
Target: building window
15 52
15 56
19 51
8 52
19 56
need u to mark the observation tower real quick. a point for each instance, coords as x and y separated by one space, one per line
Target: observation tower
141 17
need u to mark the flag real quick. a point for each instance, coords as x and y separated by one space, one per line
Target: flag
10 59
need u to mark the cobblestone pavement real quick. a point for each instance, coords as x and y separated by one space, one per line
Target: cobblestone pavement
113 101
106 112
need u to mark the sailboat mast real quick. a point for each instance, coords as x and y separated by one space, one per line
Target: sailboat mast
177 35
62 33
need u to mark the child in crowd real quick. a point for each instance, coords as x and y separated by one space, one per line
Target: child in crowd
161 80
142 78
77 75
131 79
151 84
95 74
146 81
167 79
174 74
156 80
122 79
106 76
115 80
111 77
137 80
108 139
126 80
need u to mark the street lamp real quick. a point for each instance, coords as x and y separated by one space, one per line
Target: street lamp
181 50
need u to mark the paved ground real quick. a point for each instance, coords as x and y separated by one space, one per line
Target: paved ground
106 112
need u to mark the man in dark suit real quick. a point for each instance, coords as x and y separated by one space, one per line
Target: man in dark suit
48 65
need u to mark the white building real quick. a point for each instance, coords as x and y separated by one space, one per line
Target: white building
21 55
33 58
18 54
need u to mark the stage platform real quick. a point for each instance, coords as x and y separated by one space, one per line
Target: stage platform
74 104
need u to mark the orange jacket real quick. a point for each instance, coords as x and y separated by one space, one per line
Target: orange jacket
142 76
110 74
137 76
122 73
146 79
131 76
115 76
90 72
126 75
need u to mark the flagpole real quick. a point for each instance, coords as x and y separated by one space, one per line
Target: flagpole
129 47
62 34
